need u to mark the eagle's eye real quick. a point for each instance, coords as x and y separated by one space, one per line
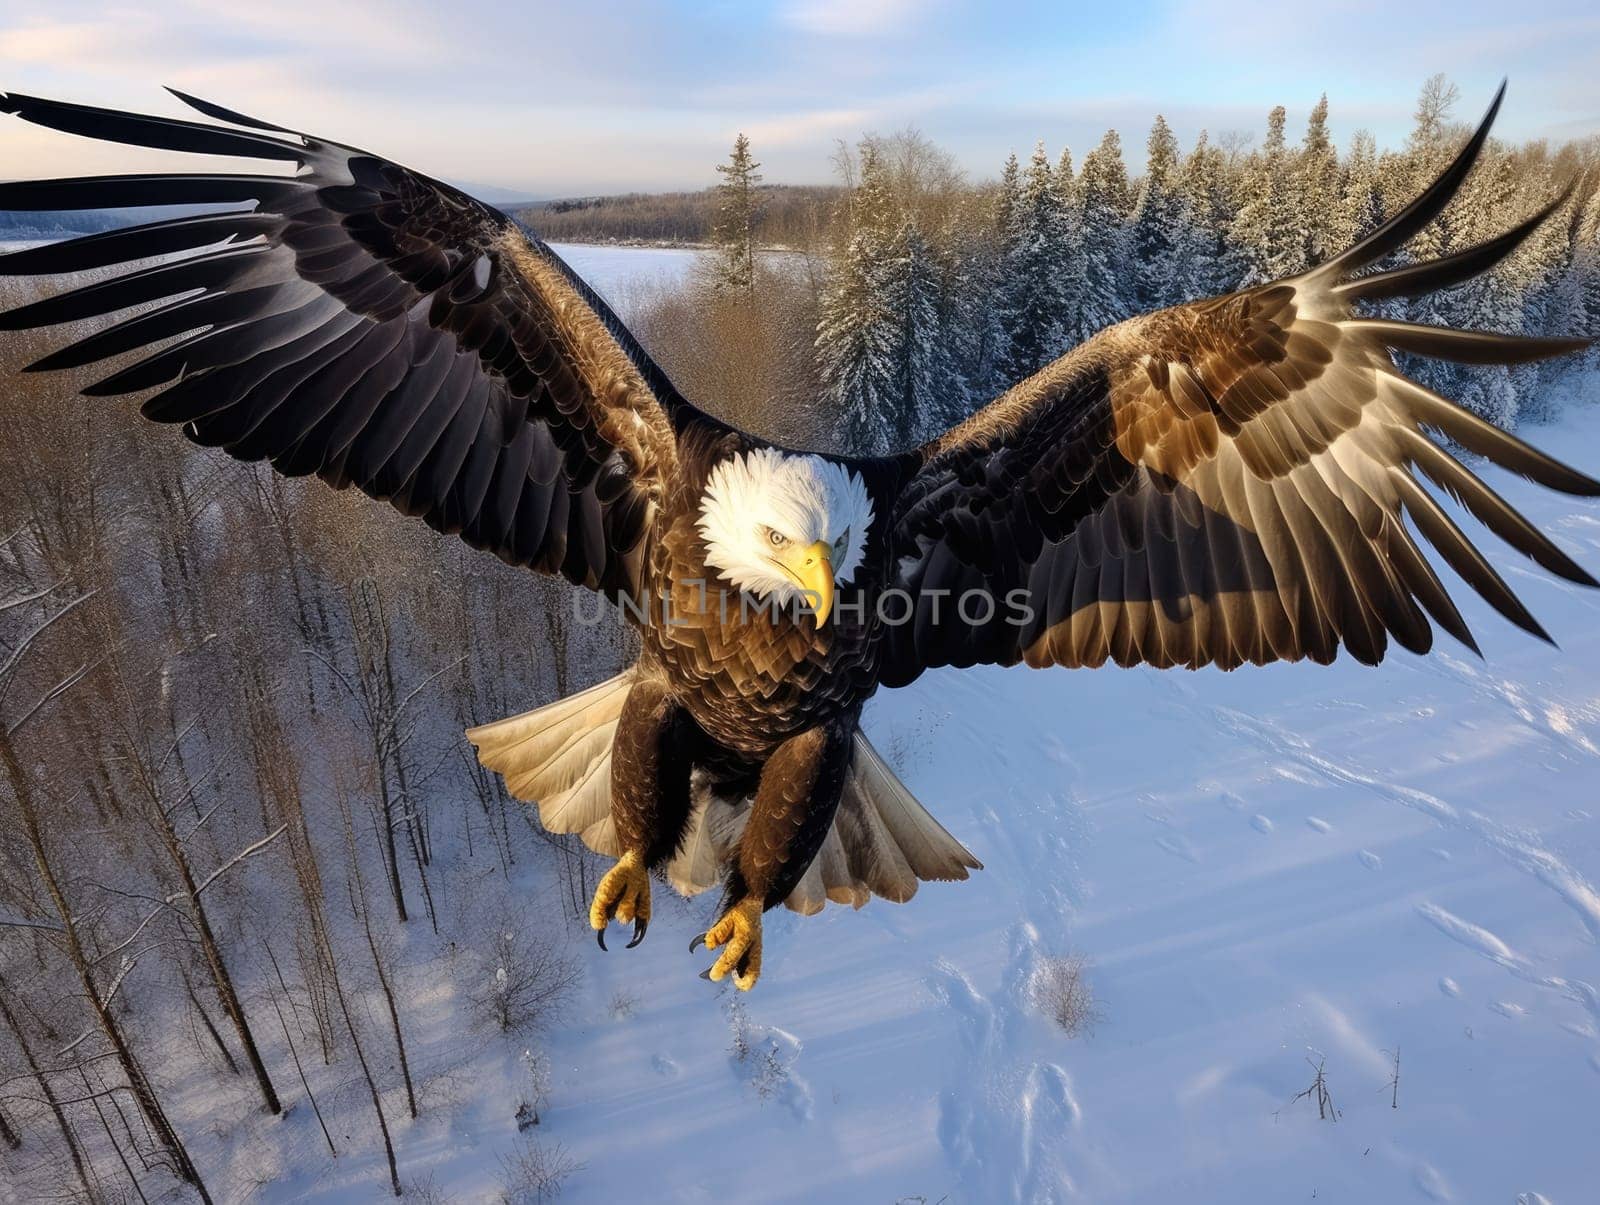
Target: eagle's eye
776 538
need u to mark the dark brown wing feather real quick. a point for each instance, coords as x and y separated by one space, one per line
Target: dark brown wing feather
370 325
1223 482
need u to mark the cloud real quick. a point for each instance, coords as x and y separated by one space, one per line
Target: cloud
851 18
808 127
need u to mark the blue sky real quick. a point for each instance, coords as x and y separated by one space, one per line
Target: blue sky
551 99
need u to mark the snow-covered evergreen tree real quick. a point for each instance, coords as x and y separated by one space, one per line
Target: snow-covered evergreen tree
859 336
737 210
1316 187
1036 268
1359 210
1103 190
1268 229
932 393
1158 238
1210 264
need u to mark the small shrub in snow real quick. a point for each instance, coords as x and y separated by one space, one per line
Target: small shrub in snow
1061 991
623 1004
534 1171
523 980
425 1190
760 1051
535 1089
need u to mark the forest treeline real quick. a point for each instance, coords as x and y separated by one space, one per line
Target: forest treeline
929 294
785 216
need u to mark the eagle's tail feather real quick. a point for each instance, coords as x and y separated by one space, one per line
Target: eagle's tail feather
559 756
883 841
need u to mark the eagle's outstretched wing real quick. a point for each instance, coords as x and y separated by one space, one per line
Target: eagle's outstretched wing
1225 481
362 322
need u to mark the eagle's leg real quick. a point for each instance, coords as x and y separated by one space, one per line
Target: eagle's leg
793 809
649 805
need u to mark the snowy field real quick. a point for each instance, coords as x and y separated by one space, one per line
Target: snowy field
1264 870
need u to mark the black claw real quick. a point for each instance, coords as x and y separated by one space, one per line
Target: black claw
600 936
699 940
706 974
639 926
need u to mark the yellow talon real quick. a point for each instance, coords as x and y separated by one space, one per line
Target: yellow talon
740 931
623 895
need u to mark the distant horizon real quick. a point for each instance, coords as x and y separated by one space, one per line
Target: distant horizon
542 101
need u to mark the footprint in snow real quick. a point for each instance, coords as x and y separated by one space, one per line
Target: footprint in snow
1260 823
1318 825
1178 846
1450 987
1370 860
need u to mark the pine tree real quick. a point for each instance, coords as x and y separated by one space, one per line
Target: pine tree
1070 192
737 211
1316 187
1268 230
1103 191
1585 319
932 393
1036 266
1360 207
984 286
1158 238
860 338
1210 265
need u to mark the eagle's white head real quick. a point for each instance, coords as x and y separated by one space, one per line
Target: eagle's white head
785 528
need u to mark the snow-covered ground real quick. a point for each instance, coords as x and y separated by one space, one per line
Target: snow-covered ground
1264 870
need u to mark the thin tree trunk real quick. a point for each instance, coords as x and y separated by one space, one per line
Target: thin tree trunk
394 1013
143 1092
391 855
311 888
8 1133
295 1054
205 1019
220 977
48 1093
359 884
105 1125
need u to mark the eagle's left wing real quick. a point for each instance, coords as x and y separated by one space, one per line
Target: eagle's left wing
352 318
1223 482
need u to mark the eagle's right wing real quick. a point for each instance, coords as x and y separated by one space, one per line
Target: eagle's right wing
363 322
1225 482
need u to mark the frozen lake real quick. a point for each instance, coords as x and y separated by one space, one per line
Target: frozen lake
614 272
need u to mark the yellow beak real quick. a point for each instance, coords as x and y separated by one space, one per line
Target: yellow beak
812 570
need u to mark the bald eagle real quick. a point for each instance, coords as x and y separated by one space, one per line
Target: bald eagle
1223 482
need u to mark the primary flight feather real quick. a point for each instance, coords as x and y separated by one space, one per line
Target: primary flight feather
1224 481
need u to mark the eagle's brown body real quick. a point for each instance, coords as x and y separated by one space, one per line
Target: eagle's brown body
1229 481
752 676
